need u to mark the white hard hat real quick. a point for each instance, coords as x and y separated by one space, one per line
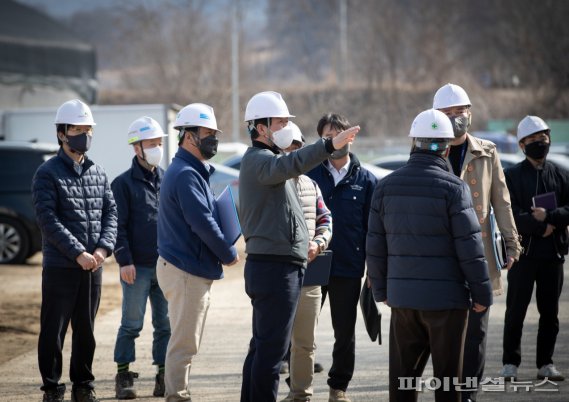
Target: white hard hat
144 128
74 112
531 125
296 133
196 115
450 95
431 124
266 104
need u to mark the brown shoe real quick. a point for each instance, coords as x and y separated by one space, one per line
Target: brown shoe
337 395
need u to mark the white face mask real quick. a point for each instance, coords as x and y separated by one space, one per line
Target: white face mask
283 137
153 155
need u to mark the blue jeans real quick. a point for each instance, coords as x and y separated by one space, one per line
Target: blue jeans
134 301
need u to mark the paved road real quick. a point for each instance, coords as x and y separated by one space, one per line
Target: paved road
216 371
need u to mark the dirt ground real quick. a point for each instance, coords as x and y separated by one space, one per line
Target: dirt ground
20 301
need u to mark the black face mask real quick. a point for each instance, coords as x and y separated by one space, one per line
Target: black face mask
537 150
460 125
79 143
208 146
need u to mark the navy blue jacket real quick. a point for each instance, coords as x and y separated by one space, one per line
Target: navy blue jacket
424 246
349 203
137 204
524 181
75 212
189 236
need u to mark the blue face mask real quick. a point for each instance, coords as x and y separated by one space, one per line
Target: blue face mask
79 143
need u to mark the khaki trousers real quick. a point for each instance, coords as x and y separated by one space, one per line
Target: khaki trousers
188 301
302 342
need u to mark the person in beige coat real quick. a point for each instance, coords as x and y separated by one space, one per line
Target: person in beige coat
476 161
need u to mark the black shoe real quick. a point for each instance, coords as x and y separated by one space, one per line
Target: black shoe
81 394
159 387
53 395
124 385
318 368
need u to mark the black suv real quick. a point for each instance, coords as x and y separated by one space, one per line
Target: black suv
20 236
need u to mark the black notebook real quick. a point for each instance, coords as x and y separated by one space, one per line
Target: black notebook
546 201
318 271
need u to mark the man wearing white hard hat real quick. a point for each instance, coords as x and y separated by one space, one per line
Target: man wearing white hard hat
137 193
318 218
77 215
423 245
191 246
276 235
540 199
476 161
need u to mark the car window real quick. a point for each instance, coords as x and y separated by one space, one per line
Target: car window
393 165
17 169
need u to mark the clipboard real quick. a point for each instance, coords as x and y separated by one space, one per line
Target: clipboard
228 217
318 271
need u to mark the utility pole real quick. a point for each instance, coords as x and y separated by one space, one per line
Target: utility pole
235 70
343 42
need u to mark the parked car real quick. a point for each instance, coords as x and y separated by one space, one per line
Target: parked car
222 177
393 162
379 172
20 236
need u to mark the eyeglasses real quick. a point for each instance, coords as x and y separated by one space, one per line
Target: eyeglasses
79 129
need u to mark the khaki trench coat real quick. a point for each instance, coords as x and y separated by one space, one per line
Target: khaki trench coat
483 173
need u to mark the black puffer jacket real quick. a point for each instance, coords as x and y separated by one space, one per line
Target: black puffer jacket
524 181
424 247
75 213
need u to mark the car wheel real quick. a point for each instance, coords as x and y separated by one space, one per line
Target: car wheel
14 241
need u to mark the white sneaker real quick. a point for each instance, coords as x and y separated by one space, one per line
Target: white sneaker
549 371
509 372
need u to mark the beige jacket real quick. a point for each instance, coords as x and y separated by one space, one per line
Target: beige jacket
483 173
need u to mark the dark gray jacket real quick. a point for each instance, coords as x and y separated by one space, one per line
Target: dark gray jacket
424 247
271 217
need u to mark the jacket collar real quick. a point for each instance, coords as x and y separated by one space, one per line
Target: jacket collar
87 163
195 163
262 145
354 164
428 158
475 149
139 172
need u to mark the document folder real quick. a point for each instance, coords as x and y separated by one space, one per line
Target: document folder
228 218
546 201
318 271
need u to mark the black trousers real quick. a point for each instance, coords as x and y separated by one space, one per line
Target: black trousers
548 278
344 296
68 294
416 334
274 290
475 349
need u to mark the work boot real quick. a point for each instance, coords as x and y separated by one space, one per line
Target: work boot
81 394
124 385
53 395
549 371
159 387
509 372
338 395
